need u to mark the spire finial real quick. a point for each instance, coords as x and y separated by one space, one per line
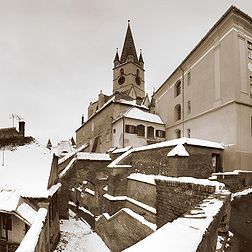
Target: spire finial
128 21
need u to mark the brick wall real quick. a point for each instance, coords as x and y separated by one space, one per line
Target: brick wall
175 198
155 161
121 230
143 192
100 125
193 210
235 181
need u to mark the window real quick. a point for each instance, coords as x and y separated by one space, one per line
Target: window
249 50
177 112
188 78
121 71
178 133
188 133
160 133
137 73
130 129
189 107
250 82
5 225
140 130
177 90
150 132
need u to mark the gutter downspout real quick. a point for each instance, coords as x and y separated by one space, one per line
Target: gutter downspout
183 101
123 129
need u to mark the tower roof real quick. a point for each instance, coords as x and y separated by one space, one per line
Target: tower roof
116 56
141 57
129 46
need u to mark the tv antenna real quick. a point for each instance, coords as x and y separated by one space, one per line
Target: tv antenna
15 118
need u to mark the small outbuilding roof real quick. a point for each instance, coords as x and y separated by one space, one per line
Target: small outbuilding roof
138 114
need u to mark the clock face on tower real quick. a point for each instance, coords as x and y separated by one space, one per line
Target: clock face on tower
138 80
121 80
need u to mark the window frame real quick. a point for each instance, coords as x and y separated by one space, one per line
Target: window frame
249 49
177 88
130 129
177 112
189 107
160 133
150 132
140 130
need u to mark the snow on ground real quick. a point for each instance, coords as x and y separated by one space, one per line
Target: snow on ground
77 236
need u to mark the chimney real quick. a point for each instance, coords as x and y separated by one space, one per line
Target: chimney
21 128
138 100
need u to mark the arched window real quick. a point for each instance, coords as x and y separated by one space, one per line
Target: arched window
177 112
137 73
178 133
177 88
141 130
121 71
150 132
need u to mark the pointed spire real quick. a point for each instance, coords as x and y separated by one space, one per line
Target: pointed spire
116 59
141 57
49 144
129 46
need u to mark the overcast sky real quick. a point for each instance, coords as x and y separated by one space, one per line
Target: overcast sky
56 55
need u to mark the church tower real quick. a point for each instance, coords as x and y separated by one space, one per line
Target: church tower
128 71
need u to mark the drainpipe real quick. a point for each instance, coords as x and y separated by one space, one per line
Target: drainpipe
123 129
183 101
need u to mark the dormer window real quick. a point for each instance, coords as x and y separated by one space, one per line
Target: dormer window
177 89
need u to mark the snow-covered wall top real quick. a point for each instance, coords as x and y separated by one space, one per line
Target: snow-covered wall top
150 179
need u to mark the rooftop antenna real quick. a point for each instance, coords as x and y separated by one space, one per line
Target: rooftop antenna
14 118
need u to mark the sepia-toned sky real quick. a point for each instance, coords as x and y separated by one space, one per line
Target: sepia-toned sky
56 55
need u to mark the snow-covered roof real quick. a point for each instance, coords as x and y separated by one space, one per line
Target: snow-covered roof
136 113
183 140
9 200
174 142
27 169
86 156
179 150
121 150
82 147
114 100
